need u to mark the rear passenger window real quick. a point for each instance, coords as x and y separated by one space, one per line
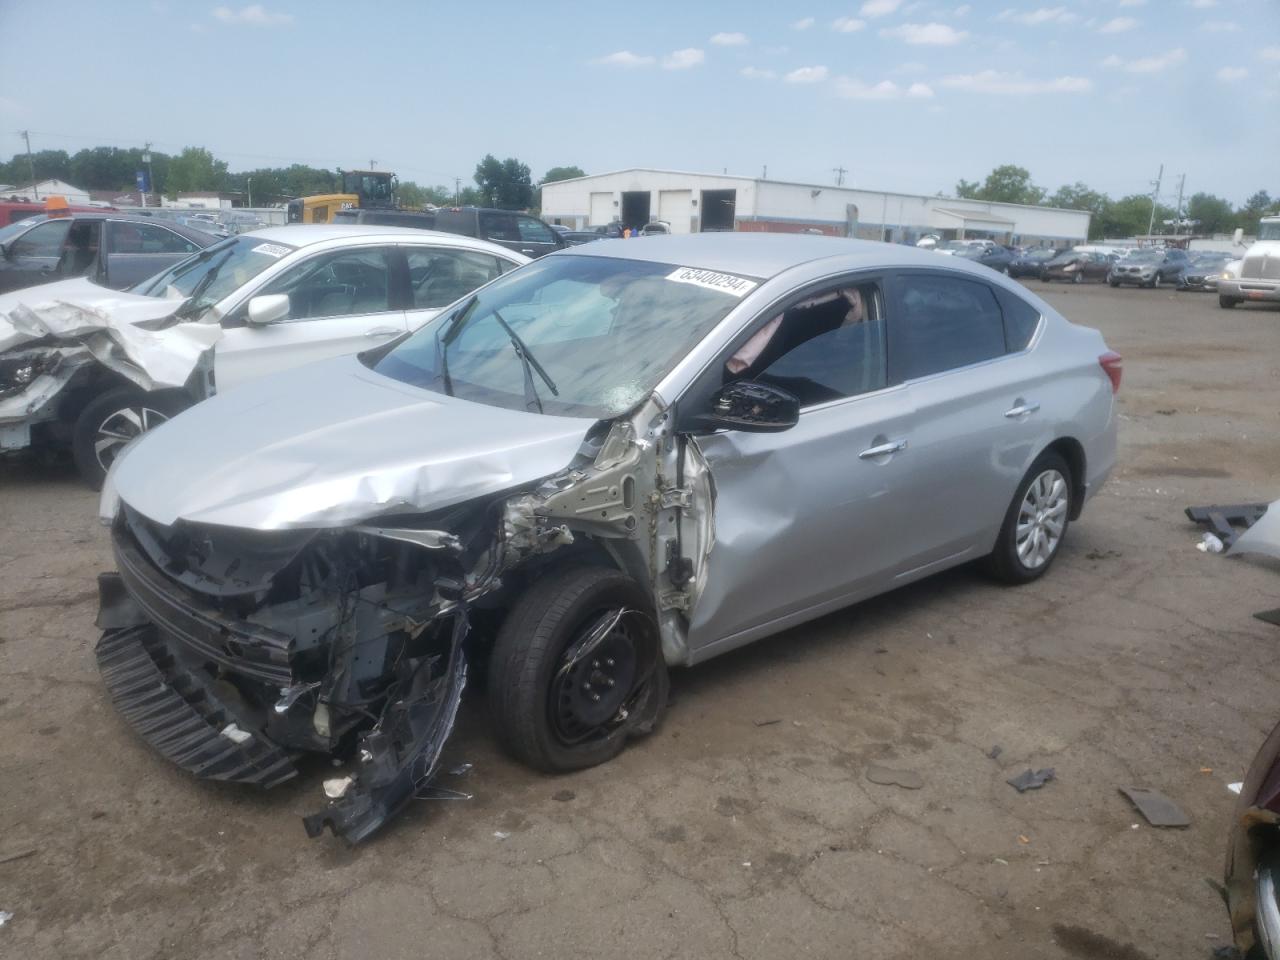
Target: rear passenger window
946 323
1020 321
439 276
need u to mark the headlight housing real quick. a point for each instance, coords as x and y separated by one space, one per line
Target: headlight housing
19 370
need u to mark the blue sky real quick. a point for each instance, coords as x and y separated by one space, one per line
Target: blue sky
908 95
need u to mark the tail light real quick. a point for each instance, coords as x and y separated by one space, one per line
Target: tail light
1113 366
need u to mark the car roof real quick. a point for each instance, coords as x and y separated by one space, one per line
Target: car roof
305 234
190 233
762 255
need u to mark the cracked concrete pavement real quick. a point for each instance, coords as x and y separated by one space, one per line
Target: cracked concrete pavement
1136 661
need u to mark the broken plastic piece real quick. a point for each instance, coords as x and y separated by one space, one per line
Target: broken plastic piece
461 770
1210 543
1158 809
995 751
907 779
1236 787
500 835
5 917
1223 520
1263 536
336 787
1031 779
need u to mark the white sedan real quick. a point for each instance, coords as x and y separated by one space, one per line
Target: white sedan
91 368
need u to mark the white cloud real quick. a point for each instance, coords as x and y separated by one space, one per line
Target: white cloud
255 15
962 10
850 88
729 39
756 73
847 24
1118 25
806 75
624 58
879 8
683 59
802 24
1232 74
1038 16
927 34
1220 26
1156 64
1269 53
1014 84
1133 3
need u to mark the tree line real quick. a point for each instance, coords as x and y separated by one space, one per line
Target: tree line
507 184
1124 217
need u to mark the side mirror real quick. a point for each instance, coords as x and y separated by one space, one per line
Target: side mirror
752 407
267 309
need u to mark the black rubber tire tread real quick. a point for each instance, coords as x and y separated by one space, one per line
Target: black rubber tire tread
529 645
1227 303
168 402
1002 563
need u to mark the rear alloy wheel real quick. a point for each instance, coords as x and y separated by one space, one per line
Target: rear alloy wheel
1035 524
576 670
110 422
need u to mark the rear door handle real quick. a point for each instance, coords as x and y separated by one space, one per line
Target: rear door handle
383 332
1021 410
883 449
528 253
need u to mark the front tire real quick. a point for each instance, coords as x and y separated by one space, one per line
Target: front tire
1035 524
1227 303
555 711
109 422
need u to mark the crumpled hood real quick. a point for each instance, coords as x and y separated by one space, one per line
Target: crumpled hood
105 321
331 444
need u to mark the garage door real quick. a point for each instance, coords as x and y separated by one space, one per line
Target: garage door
602 211
676 207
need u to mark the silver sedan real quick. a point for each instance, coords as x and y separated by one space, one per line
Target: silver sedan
624 457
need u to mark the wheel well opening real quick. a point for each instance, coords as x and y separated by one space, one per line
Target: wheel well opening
1070 450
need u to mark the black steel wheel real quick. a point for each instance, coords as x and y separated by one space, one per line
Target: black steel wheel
576 669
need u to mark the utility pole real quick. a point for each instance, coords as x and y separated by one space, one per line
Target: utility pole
765 174
1155 198
151 177
839 172
248 182
373 164
31 164
457 191
1177 214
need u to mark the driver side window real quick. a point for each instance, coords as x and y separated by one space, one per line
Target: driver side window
349 283
828 346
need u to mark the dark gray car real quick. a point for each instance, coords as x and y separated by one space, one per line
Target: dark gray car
112 249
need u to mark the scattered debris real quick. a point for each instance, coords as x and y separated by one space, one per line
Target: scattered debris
5 917
767 723
1223 520
995 751
908 779
1210 543
1158 809
1236 787
746 863
1167 413
461 770
1103 554
235 734
1023 839
336 787
1031 779
17 855
564 796
1002 861
1263 536
1226 953
1206 769
500 835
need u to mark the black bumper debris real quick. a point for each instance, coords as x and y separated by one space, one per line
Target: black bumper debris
180 715
1224 520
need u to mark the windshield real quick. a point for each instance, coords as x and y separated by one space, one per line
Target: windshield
599 333
1210 259
1269 231
215 271
1146 256
1041 254
1069 257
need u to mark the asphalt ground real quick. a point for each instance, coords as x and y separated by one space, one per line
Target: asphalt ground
746 827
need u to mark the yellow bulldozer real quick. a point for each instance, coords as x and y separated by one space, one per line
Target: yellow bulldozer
367 189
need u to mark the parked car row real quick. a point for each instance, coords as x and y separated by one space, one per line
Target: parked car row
308 561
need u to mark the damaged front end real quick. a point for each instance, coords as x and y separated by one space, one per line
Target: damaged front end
234 653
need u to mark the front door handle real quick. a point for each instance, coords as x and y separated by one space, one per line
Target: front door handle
1021 409
383 332
528 253
883 449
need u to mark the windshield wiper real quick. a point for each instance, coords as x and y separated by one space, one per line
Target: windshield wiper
192 307
442 364
445 334
531 399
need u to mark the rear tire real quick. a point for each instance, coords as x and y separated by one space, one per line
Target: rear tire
1226 303
1028 544
1114 283
111 420
541 707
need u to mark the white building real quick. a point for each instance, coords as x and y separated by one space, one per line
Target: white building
694 202
44 189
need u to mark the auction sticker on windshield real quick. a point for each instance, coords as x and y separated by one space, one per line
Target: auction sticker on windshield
724 282
271 249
